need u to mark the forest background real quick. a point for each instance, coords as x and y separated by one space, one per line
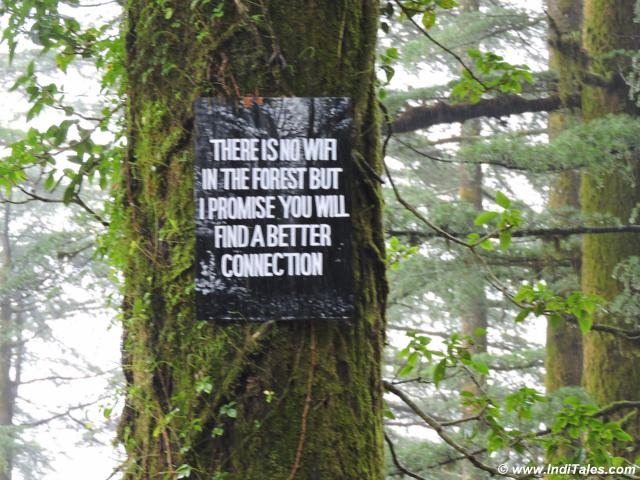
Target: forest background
511 233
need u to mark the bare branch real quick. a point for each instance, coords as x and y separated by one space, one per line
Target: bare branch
396 462
57 416
494 161
417 118
61 378
528 232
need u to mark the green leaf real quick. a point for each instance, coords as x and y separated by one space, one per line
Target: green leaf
556 320
505 239
447 4
585 322
49 181
522 315
502 200
204 385
387 413
487 244
69 194
474 53
481 368
63 60
439 371
229 410
622 436
392 53
389 72
184 471
485 217
404 371
413 358
428 19
473 237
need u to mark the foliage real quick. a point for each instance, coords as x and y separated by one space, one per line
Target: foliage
600 145
495 74
68 153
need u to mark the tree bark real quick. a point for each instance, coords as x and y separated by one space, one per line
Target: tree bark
286 400
564 342
612 363
473 308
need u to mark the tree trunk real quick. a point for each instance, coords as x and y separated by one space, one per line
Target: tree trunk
474 303
564 342
612 364
7 394
279 401
473 308
473 314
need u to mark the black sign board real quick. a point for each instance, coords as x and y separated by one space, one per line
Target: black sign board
272 193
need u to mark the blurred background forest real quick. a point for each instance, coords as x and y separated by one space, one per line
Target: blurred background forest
511 220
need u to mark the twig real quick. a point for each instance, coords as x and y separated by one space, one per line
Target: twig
492 162
66 413
307 403
439 429
396 462
441 46
167 443
60 378
76 200
114 472
399 197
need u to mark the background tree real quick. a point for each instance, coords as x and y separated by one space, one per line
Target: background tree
48 256
547 261
40 267
564 342
611 371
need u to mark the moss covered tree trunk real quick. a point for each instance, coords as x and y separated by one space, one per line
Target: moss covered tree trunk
564 342
612 364
241 401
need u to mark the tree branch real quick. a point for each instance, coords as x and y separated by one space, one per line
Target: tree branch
396 462
57 416
439 429
496 162
440 45
417 118
76 200
527 232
